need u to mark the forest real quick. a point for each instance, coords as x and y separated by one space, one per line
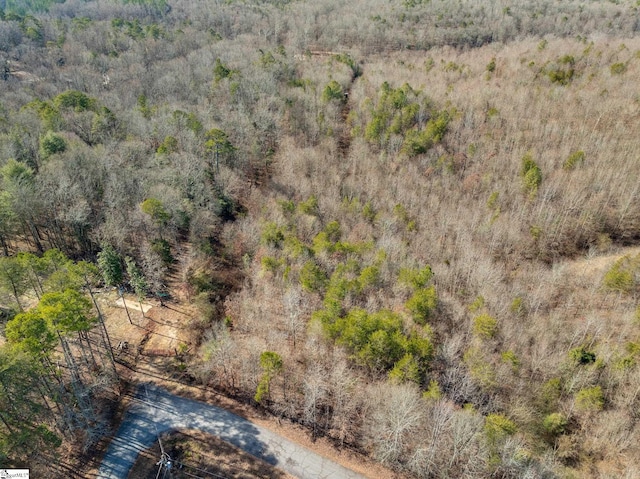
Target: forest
411 226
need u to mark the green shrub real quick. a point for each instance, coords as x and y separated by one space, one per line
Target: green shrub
419 343
406 370
531 175
498 427
422 304
398 112
295 248
156 210
378 342
321 243
580 355
169 145
217 144
629 360
328 239
337 291
48 114
221 71
271 264
509 357
418 142
561 76
620 277
576 158
416 278
554 424
76 100
51 144
477 304
590 399
567 60
358 248
368 212
485 326
333 231
374 130
346 59
375 339
272 235
271 364
517 306
310 206
632 348
618 68
433 392
333 91
312 277
188 120
369 277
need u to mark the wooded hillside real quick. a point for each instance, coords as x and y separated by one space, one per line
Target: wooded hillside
412 226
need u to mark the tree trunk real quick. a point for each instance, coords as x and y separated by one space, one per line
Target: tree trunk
15 293
105 334
124 303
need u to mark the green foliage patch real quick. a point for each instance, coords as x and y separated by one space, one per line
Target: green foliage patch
590 399
271 364
312 277
422 304
377 340
621 276
574 160
554 424
333 91
531 175
485 326
582 356
406 113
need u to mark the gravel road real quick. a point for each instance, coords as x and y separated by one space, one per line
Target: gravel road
155 410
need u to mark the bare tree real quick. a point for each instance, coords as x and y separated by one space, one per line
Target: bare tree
395 414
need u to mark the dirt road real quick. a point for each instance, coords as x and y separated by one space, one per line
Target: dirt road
155 410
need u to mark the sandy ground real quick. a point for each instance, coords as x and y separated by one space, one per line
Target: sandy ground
135 305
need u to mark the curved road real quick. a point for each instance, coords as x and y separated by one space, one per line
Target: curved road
155 410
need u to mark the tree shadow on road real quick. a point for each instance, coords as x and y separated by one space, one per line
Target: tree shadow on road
198 454
155 411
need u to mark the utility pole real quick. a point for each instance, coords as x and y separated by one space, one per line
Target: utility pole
165 462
